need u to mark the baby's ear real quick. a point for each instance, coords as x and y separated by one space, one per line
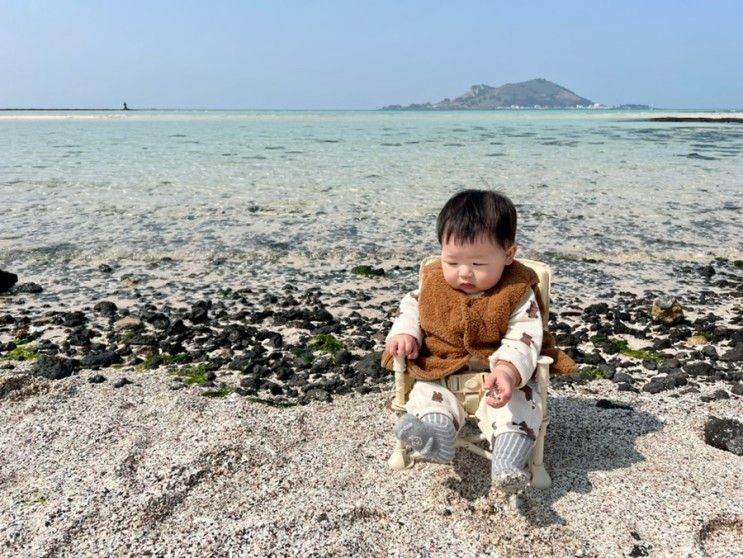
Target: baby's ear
511 254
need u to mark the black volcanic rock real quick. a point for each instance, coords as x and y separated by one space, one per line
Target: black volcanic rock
105 307
54 368
664 383
735 354
199 312
30 288
535 93
7 280
370 366
105 358
724 434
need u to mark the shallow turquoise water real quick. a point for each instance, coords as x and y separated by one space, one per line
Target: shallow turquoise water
331 186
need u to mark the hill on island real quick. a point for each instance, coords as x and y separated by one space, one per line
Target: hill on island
535 93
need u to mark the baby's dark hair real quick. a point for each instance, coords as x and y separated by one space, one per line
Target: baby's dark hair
473 214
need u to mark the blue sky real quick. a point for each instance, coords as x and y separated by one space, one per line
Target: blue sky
363 55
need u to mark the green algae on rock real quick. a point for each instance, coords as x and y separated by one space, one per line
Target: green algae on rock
327 343
22 352
368 271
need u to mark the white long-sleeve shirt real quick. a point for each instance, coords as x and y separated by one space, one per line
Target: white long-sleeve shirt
520 346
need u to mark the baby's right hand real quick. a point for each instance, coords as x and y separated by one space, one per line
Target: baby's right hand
403 345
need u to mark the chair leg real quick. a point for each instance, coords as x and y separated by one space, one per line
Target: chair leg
539 476
400 458
469 446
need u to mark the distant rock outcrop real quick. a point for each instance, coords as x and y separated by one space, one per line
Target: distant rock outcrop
535 93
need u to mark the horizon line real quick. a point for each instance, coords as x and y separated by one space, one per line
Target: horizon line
174 109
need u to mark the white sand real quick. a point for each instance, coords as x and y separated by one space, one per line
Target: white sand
89 470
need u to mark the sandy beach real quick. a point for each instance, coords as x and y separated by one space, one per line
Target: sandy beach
124 456
145 471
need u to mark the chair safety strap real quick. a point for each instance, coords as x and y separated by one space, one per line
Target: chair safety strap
468 389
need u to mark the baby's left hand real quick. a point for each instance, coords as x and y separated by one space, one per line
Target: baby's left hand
499 386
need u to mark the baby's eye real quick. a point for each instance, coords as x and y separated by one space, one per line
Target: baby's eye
476 264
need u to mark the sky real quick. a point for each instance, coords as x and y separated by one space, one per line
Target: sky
364 55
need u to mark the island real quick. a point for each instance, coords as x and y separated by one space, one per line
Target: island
535 93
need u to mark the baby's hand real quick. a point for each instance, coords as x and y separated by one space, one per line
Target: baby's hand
499 386
403 345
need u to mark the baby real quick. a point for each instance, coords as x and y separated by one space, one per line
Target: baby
476 310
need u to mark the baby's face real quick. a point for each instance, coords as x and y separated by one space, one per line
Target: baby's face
474 267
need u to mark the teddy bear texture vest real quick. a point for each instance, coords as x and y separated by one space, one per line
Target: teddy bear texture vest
457 327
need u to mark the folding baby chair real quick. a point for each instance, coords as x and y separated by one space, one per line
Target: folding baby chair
403 458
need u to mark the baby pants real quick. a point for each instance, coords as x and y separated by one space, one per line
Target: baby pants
522 414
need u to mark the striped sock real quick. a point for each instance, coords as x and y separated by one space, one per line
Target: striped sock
510 454
445 434
432 435
415 434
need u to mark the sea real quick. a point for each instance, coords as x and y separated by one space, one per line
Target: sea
606 197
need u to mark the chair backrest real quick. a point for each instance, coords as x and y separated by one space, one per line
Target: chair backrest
543 271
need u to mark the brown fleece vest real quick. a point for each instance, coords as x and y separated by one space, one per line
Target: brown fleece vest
457 327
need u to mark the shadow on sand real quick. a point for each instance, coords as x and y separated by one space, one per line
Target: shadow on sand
582 437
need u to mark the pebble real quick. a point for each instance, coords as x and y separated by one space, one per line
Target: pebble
199 313
129 322
242 363
102 359
343 357
663 383
608 370
650 364
599 308
696 340
667 310
30 288
735 354
73 319
661 343
716 396
624 386
622 377
698 368
319 395
593 358
106 308
669 365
